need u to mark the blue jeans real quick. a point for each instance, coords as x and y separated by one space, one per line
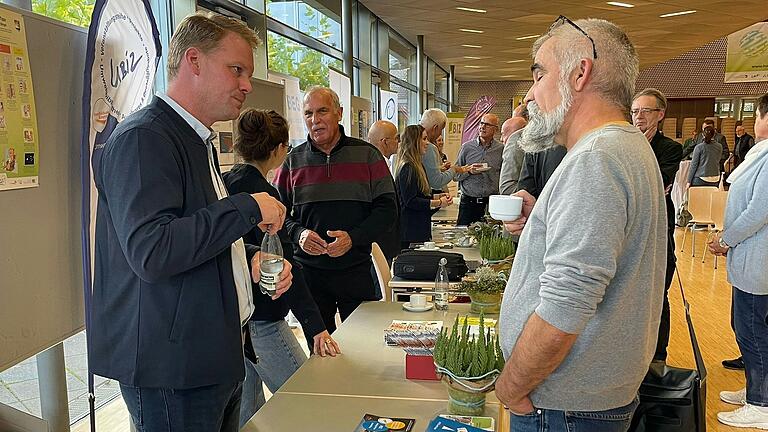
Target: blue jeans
280 355
612 420
204 409
750 313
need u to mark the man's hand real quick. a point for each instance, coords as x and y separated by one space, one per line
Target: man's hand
323 344
517 404
459 169
446 165
272 212
286 277
311 243
516 226
341 245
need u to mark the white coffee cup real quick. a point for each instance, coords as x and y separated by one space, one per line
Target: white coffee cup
430 245
505 207
418 300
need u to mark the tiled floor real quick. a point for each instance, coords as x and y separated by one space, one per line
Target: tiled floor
19 386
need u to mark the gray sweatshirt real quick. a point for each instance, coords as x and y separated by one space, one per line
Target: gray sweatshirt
591 262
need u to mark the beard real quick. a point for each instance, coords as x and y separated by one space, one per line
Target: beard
539 134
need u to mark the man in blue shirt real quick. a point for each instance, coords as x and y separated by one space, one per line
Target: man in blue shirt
483 155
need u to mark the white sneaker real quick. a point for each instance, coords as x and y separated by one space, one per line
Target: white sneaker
738 397
748 416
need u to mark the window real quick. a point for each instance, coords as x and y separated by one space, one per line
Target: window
441 83
319 22
747 108
77 12
291 58
402 60
724 107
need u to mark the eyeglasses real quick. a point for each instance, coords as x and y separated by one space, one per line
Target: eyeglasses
564 19
488 124
643 111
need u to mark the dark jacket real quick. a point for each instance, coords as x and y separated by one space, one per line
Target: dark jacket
538 167
349 189
741 148
165 310
668 154
415 211
248 179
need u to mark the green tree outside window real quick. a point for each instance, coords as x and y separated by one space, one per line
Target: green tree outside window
77 12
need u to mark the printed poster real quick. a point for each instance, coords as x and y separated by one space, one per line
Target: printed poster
747 54
453 131
19 135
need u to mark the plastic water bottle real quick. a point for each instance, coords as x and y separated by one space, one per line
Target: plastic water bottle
270 263
441 286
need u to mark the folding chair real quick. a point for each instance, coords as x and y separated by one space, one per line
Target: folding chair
698 206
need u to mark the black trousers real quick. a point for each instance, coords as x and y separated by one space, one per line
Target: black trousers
664 324
339 289
471 209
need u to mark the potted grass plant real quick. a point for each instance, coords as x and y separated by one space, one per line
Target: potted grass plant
494 243
468 363
485 289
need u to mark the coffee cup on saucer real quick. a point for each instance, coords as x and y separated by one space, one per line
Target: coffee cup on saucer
430 245
418 301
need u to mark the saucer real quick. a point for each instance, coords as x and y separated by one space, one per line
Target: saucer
422 248
481 169
407 306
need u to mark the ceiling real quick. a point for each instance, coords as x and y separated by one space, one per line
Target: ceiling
504 57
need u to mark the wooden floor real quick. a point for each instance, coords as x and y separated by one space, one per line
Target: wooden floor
708 293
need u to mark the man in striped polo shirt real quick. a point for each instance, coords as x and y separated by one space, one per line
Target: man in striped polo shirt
339 197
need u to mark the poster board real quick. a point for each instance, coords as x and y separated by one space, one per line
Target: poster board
388 106
294 103
361 117
341 84
747 54
40 261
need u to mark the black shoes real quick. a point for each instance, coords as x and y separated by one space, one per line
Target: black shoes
735 364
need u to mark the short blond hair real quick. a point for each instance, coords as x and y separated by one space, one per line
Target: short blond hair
205 31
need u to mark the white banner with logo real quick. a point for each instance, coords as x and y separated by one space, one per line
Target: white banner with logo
747 56
121 58
453 130
388 106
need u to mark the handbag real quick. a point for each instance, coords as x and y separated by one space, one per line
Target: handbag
673 399
422 265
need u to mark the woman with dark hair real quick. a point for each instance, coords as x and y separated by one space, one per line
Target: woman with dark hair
416 203
262 143
743 241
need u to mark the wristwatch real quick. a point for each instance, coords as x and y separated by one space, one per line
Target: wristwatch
722 243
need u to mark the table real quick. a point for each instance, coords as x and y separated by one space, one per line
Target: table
306 412
369 377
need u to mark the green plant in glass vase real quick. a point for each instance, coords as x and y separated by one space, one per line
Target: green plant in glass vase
468 364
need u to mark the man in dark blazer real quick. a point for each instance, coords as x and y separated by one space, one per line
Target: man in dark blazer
648 109
171 282
744 142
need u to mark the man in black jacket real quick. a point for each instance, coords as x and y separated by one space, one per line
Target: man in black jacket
744 142
648 108
171 287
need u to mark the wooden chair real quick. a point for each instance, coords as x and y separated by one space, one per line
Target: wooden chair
669 127
716 215
383 273
689 125
749 125
698 206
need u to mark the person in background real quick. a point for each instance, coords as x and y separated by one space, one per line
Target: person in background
433 121
648 109
172 288
416 201
262 144
512 156
440 143
743 241
339 198
744 142
705 163
689 145
577 325
479 182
